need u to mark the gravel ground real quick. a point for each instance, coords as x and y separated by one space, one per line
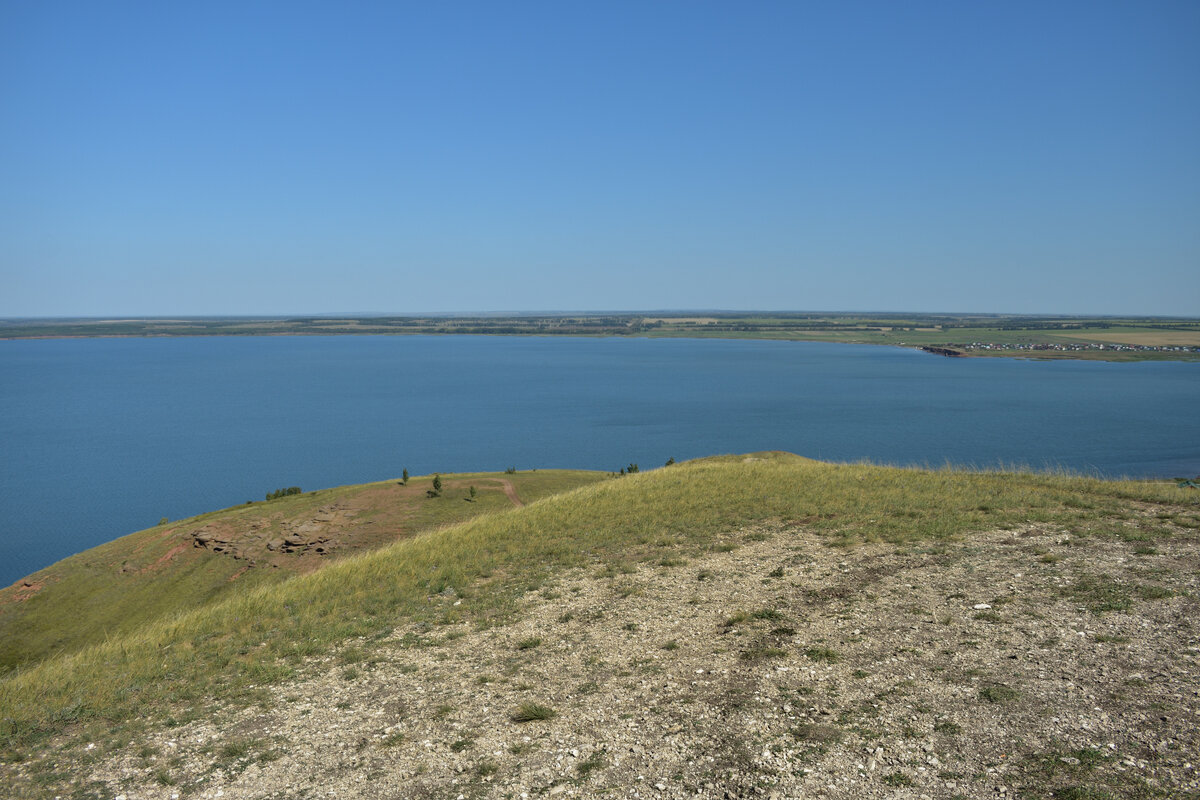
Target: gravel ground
1020 663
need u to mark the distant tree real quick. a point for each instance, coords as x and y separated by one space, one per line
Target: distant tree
436 491
472 498
632 468
163 521
278 493
670 461
404 479
510 471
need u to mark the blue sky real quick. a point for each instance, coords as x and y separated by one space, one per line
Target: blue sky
301 157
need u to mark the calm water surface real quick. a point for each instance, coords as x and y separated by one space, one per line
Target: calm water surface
101 437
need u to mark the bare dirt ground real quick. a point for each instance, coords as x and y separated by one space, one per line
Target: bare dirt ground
1020 663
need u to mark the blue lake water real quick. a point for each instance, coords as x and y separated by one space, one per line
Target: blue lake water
101 437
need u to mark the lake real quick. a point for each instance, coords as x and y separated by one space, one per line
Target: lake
102 437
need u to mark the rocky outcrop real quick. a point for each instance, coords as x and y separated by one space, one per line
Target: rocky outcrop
943 351
217 541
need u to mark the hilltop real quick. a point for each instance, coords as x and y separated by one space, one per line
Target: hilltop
739 626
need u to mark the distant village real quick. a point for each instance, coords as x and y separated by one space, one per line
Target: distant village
1077 346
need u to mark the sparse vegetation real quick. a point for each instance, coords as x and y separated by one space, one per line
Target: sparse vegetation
822 654
999 694
289 491
532 712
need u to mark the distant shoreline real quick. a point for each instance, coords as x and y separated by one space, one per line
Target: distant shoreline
965 335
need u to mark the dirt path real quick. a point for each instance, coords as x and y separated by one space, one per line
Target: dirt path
510 491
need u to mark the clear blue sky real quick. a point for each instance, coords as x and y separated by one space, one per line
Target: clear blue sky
165 158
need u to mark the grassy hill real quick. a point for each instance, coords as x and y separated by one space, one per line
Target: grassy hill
123 585
739 624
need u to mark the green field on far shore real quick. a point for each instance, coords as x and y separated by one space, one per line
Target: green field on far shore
1103 338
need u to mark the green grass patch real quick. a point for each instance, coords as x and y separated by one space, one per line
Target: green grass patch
530 711
999 694
822 654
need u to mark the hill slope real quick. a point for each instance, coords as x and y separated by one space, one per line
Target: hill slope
121 586
740 625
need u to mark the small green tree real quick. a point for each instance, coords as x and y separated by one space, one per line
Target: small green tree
436 491
670 461
472 498
404 477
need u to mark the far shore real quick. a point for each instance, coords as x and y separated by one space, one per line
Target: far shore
960 335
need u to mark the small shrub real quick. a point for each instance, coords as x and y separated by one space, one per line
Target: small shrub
762 651
278 493
815 732
530 643
897 779
236 748
510 471
999 694
822 654
530 711
593 762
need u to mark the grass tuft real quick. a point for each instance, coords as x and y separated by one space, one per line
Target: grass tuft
530 711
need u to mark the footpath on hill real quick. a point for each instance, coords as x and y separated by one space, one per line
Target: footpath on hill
1030 662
